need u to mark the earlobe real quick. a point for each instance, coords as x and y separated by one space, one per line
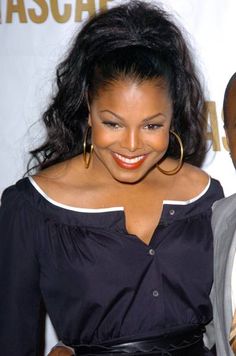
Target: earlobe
227 138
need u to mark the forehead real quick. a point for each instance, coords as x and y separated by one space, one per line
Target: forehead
131 97
133 100
128 86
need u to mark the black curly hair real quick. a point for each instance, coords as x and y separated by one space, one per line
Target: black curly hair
135 40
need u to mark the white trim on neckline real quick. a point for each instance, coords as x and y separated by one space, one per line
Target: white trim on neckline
68 207
116 208
186 202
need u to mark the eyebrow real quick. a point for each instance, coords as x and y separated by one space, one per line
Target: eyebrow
144 120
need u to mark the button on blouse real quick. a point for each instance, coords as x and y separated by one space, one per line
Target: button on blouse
151 252
98 282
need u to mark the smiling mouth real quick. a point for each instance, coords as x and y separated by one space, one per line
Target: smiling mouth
130 163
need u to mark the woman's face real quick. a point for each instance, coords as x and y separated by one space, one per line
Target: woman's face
130 128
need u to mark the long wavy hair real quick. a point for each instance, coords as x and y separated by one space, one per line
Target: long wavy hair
135 40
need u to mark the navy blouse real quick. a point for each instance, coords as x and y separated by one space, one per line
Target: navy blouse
98 282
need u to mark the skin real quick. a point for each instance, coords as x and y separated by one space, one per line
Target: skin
136 130
230 120
129 120
61 351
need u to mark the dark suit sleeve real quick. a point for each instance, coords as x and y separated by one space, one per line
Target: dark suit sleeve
19 277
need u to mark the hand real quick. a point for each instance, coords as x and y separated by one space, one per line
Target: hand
60 351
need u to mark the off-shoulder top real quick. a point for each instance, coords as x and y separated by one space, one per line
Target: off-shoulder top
98 282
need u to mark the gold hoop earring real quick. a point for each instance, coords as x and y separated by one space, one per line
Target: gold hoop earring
87 160
180 163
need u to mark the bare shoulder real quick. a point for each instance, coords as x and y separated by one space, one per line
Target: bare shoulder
60 178
195 175
52 175
191 181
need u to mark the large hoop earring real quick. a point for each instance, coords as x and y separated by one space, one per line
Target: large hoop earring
180 163
87 160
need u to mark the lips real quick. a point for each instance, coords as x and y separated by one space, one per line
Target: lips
128 162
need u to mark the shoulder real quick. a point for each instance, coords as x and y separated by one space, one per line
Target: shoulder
194 177
64 183
16 193
225 203
60 176
223 222
194 181
224 209
19 207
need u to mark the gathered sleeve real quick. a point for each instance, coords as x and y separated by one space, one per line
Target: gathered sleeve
20 295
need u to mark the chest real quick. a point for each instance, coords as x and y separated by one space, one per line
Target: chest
142 218
142 212
107 260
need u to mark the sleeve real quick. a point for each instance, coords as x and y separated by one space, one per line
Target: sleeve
19 277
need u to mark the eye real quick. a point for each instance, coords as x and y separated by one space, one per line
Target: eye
152 126
111 124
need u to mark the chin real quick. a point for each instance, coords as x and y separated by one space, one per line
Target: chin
129 178
128 181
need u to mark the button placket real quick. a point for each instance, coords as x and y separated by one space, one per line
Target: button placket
154 292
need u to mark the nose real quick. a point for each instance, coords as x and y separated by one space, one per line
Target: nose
131 140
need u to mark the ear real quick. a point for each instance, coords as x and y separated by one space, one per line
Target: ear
226 135
227 138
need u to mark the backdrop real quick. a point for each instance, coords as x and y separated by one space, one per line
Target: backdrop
34 35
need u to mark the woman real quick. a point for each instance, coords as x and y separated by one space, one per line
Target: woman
113 231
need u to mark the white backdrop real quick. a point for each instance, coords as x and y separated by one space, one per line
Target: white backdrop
33 37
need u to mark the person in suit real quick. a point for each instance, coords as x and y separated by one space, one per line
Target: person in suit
224 230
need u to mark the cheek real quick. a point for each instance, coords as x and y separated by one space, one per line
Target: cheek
101 138
160 142
232 139
232 146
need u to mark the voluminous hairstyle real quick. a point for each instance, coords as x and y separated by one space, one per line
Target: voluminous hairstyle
135 40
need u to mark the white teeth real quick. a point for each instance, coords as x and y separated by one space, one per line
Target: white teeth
129 160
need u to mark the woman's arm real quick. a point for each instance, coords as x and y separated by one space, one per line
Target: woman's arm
19 277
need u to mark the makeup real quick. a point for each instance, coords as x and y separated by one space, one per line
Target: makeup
129 162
